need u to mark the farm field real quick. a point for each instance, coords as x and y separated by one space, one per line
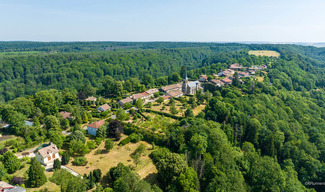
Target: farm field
119 154
264 53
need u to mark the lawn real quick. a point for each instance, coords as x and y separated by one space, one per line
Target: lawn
265 53
105 161
49 185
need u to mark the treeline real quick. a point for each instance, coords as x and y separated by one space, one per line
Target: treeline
25 75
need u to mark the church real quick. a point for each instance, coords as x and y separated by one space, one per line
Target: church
190 87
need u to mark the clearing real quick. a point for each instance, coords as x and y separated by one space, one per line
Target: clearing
264 53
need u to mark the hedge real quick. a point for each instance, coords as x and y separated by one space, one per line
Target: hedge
125 141
164 114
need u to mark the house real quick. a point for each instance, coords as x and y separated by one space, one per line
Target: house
252 72
243 74
175 93
94 99
48 154
125 101
203 78
144 96
236 67
226 73
5 186
263 66
173 87
166 97
256 68
227 81
151 92
104 107
65 115
217 82
92 128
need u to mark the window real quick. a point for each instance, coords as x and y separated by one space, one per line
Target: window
53 156
49 158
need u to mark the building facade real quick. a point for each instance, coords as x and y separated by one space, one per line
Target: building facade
48 154
190 87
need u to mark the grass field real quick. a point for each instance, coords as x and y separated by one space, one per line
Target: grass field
49 185
264 53
105 161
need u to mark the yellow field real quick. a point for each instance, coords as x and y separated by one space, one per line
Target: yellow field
118 154
264 53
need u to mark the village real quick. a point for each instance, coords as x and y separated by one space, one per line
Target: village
48 152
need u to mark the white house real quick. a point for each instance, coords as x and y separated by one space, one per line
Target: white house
92 128
104 107
48 154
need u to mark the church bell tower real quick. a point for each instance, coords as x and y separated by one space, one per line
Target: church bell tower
185 82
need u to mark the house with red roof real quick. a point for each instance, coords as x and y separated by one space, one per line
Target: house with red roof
203 78
92 128
236 67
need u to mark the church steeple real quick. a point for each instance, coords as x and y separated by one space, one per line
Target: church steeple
185 76
185 83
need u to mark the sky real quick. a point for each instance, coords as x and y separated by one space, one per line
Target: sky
163 20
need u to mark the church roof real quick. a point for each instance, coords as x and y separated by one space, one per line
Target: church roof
193 83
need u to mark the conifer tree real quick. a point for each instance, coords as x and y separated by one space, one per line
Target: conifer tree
36 176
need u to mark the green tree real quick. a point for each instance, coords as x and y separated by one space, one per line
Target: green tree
78 136
121 115
101 131
56 138
3 172
109 144
11 162
51 122
65 158
57 164
198 144
139 103
189 113
188 182
85 117
148 80
173 110
36 176
170 168
160 100
235 81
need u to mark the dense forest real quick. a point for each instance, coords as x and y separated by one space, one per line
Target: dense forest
264 135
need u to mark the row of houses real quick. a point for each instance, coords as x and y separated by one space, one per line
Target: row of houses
145 96
228 74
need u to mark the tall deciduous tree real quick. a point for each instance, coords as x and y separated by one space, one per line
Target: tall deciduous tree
11 162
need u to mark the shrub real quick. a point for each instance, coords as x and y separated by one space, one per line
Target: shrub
91 145
57 164
125 141
17 181
65 158
80 161
136 137
3 151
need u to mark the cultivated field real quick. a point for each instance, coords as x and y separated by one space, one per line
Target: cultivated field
264 53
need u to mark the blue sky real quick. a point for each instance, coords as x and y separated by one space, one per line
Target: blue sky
163 20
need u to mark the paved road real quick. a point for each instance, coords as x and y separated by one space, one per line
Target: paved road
71 171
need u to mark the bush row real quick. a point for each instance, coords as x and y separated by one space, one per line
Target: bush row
165 114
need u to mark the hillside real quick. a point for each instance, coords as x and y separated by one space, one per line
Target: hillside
263 132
